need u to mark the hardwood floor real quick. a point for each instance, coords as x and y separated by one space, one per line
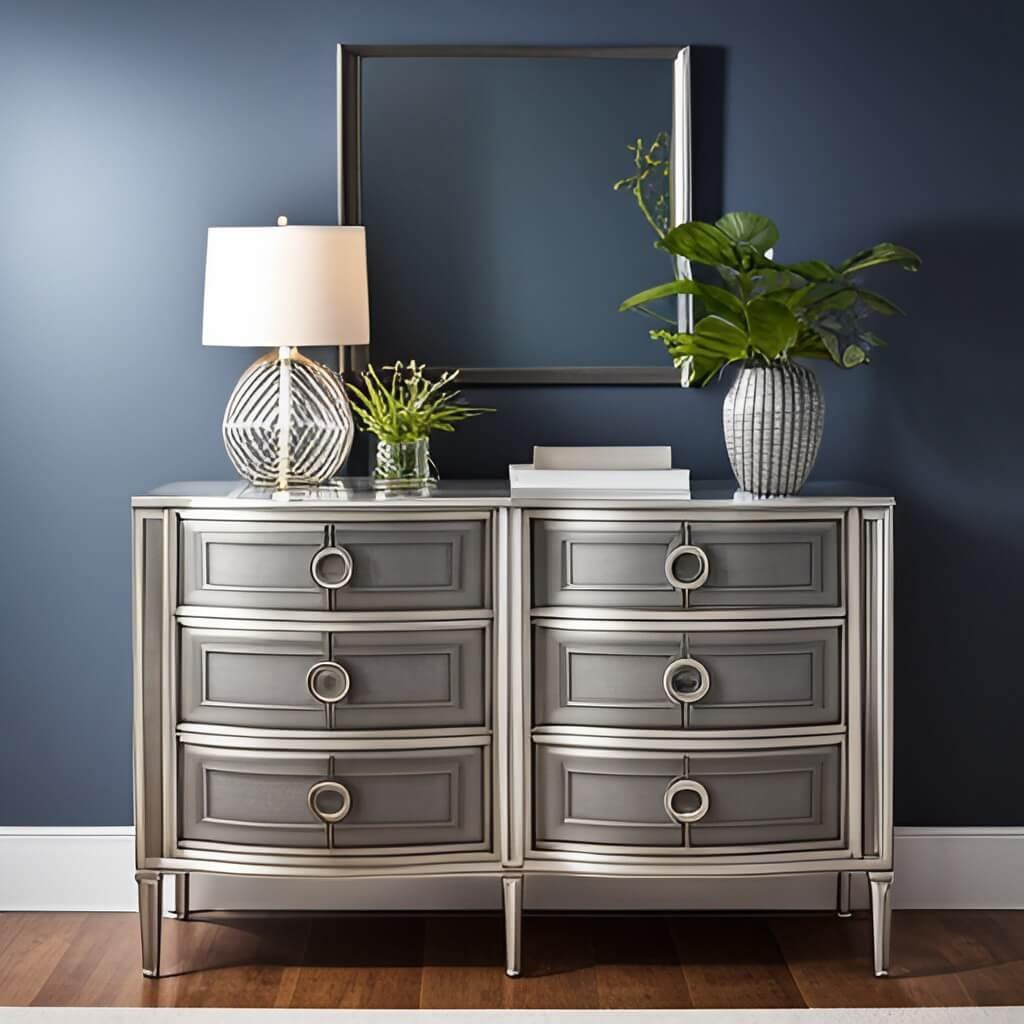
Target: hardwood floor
570 962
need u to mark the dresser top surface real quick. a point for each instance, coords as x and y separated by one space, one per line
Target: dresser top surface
356 492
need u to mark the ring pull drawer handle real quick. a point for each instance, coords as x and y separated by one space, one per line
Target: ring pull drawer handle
331 568
322 795
686 696
690 552
328 682
696 810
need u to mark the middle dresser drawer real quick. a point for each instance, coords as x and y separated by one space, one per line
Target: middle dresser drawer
352 679
749 678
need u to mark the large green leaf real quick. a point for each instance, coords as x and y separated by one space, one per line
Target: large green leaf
791 298
878 303
884 252
722 335
814 270
749 229
702 243
772 327
829 342
709 292
810 346
836 299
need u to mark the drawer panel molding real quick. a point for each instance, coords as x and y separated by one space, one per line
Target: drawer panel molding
290 800
276 679
352 566
665 565
685 802
693 679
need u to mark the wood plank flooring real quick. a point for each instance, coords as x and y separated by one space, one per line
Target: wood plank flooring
570 962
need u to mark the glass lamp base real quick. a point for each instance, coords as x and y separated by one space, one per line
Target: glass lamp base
288 422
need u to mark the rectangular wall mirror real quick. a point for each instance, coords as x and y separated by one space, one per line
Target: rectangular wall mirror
495 240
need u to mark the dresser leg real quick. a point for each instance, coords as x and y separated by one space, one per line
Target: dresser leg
150 912
880 883
843 893
181 896
512 890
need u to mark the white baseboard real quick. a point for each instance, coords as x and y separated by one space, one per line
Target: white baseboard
76 869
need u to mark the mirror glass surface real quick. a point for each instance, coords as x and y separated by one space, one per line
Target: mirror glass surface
494 236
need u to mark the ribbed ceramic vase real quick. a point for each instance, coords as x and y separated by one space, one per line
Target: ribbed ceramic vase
773 418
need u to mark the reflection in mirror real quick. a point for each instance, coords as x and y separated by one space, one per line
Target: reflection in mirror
494 236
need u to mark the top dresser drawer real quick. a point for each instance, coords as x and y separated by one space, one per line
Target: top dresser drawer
344 566
652 565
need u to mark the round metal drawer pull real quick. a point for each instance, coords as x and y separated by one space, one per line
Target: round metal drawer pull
686 786
687 551
328 682
686 696
331 568
332 788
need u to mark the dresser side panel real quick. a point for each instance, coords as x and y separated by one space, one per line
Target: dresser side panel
149 641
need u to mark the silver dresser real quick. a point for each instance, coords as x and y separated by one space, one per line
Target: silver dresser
344 684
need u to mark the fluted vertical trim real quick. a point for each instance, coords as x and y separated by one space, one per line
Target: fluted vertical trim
772 418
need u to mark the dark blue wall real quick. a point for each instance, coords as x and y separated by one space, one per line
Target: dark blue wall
127 128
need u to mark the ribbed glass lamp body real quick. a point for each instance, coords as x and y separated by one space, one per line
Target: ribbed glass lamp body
288 423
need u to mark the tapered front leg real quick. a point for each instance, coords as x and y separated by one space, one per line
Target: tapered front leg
150 913
881 918
843 893
181 896
512 890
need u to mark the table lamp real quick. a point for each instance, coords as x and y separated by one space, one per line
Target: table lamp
288 422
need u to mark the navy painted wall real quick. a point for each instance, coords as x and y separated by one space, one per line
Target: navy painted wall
127 128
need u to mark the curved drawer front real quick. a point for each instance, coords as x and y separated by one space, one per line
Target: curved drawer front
675 565
411 679
382 566
604 678
595 796
776 796
787 797
762 679
768 565
395 798
603 564
729 679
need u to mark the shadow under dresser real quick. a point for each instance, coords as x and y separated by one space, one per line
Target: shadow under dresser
457 683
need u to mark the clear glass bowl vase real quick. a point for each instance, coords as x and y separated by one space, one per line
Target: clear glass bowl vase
401 465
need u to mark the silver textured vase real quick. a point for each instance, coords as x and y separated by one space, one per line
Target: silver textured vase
773 418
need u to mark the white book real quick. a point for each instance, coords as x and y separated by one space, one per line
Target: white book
628 457
595 482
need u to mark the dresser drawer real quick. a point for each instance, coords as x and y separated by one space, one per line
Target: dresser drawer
350 566
661 799
391 798
648 565
695 679
366 679
766 565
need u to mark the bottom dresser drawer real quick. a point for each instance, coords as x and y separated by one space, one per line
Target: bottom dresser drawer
334 800
677 802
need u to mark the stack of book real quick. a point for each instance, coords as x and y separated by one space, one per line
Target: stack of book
615 472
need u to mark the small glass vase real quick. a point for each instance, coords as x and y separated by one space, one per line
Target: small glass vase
401 465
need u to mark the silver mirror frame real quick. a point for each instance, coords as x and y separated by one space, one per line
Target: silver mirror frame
349 157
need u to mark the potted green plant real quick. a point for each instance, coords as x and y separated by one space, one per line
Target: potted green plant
764 316
402 414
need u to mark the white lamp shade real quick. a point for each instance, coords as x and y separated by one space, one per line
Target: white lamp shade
295 285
